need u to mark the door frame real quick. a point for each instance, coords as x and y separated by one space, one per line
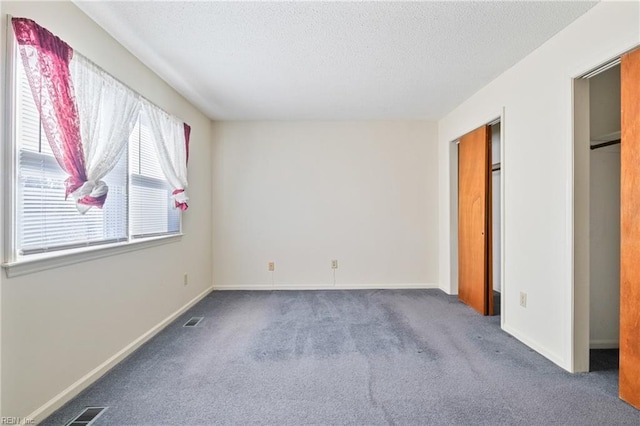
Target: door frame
580 285
579 214
453 204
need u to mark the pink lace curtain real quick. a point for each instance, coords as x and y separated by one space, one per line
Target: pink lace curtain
46 60
86 125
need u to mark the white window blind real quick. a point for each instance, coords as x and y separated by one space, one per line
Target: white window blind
45 220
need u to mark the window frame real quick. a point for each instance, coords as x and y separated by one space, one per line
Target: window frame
13 264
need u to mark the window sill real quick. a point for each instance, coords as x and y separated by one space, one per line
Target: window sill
37 263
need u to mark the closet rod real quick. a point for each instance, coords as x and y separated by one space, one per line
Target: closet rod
603 144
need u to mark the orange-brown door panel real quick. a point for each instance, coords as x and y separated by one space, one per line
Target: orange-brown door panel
630 230
474 220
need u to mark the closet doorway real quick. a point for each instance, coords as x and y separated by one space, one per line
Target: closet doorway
479 212
607 222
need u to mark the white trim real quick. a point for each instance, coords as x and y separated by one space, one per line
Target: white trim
39 263
576 337
552 356
452 213
9 163
604 344
379 286
66 395
575 358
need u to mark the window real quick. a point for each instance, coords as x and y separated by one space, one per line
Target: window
45 220
151 212
139 202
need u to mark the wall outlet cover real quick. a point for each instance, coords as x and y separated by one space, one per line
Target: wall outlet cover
523 299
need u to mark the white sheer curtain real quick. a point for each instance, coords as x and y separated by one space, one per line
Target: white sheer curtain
169 136
108 111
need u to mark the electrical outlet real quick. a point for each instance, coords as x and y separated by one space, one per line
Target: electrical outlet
272 266
523 299
334 264
185 279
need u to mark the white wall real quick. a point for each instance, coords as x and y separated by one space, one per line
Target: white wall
61 324
604 251
536 95
303 193
604 105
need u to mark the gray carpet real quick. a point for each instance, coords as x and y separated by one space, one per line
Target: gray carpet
367 357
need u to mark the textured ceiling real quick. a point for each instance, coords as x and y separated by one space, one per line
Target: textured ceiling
330 60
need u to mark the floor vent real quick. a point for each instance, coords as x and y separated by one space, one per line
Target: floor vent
193 322
87 417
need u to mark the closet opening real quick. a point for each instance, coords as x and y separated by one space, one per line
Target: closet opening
604 219
597 186
476 201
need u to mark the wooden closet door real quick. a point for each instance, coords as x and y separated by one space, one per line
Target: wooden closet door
474 220
630 231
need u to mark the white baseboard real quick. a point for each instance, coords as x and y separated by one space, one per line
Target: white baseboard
551 356
604 344
382 286
69 393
